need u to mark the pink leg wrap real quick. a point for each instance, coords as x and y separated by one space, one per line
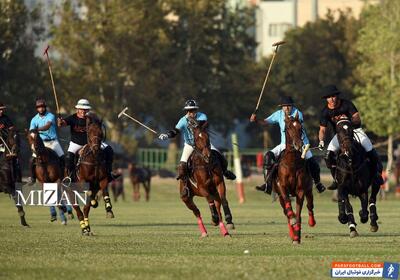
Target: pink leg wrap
223 229
201 225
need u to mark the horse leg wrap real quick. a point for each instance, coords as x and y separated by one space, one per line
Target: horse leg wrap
228 214
107 203
373 213
214 214
289 211
201 226
82 224
223 229
86 221
297 232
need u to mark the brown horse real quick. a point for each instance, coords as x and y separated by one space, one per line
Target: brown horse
7 171
92 170
293 179
139 175
205 180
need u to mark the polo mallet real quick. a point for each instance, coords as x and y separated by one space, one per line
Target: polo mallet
276 45
135 120
46 52
5 145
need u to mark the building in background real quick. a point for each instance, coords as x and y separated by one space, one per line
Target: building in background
275 17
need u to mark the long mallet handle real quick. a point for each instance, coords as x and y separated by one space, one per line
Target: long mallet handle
122 113
305 150
276 45
46 52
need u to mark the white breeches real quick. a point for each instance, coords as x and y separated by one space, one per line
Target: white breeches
281 147
74 148
360 137
188 150
53 145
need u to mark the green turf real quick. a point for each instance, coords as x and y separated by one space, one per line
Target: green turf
160 240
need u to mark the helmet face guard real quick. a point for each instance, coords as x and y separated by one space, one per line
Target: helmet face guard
190 105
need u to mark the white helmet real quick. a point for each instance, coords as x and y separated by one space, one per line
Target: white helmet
191 105
83 104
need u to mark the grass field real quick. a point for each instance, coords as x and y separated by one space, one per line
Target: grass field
160 240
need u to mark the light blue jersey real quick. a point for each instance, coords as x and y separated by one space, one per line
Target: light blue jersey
279 118
183 127
39 121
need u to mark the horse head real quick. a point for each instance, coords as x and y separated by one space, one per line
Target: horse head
94 132
11 139
35 142
201 138
344 131
294 131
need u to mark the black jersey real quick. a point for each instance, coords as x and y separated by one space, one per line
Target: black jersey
5 122
345 108
78 129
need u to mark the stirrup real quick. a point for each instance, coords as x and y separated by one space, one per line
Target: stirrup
229 175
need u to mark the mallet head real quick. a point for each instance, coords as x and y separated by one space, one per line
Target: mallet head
277 44
122 112
46 50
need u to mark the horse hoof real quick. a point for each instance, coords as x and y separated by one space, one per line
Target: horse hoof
110 215
64 223
311 221
353 233
296 242
230 226
227 235
204 235
374 227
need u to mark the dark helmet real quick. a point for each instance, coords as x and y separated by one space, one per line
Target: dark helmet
191 105
40 102
286 101
2 106
329 90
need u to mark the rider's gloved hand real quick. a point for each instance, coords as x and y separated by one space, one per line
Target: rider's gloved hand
253 118
163 136
321 145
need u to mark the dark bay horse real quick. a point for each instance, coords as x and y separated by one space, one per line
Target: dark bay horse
293 179
139 175
205 180
354 178
7 171
47 166
92 170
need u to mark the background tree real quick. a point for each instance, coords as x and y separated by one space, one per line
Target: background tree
378 94
22 75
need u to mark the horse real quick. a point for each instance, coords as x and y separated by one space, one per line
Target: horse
117 186
205 180
353 178
7 170
139 175
47 169
92 169
292 179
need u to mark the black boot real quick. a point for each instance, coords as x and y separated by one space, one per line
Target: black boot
109 157
62 165
330 160
17 170
314 170
70 163
224 165
183 174
375 167
269 168
32 168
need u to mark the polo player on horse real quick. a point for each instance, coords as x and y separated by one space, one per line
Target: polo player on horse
45 123
5 125
191 113
278 117
77 123
335 109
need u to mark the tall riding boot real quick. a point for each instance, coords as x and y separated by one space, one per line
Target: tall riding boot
183 174
70 162
224 165
32 168
17 170
62 165
330 161
375 167
269 167
109 157
314 170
